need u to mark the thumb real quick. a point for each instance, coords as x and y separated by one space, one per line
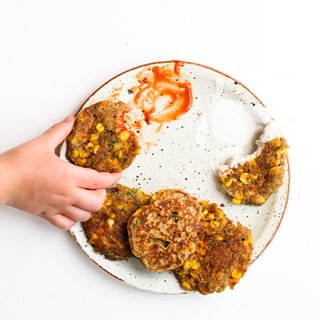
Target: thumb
58 132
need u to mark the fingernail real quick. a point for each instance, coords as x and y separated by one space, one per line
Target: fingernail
68 118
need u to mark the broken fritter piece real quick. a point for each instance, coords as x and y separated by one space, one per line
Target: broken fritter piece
252 179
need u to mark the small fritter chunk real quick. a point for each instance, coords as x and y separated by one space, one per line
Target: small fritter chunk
107 228
100 140
163 233
253 181
222 255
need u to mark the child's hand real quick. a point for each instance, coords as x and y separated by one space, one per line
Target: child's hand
34 179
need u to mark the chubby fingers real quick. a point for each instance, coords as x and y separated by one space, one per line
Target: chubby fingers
76 214
58 132
92 179
61 221
68 218
89 200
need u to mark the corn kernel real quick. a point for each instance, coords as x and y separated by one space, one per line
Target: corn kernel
238 195
228 182
245 178
108 202
96 149
277 142
138 151
100 127
195 265
82 117
110 222
214 224
278 162
219 238
186 266
220 213
260 200
236 274
94 136
124 135
120 206
117 146
192 247
186 285
120 154
204 213
75 153
113 162
81 162
211 216
280 153
83 154
236 201
73 140
203 202
89 146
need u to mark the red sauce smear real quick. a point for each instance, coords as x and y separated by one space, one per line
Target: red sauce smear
162 81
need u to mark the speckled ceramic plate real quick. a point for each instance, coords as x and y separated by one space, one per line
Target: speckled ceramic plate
225 119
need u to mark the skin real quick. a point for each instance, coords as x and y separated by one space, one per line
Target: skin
35 180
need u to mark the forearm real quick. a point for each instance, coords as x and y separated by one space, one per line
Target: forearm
4 180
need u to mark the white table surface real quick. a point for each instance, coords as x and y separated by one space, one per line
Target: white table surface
55 53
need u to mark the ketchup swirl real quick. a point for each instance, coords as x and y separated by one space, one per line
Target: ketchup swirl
162 81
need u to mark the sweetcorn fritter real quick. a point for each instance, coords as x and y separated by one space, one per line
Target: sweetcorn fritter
100 140
255 180
222 255
163 233
107 228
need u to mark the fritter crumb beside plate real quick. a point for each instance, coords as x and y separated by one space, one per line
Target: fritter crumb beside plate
222 255
107 228
100 140
163 233
257 176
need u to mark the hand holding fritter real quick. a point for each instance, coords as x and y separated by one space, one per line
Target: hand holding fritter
34 179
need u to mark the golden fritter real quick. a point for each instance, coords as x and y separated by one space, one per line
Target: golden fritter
163 233
253 181
222 255
107 228
100 140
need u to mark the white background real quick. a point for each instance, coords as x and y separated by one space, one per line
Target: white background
55 53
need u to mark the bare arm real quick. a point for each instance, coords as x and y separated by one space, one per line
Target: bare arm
35 180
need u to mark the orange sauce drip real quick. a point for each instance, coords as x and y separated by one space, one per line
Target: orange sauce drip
162 81
121 126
